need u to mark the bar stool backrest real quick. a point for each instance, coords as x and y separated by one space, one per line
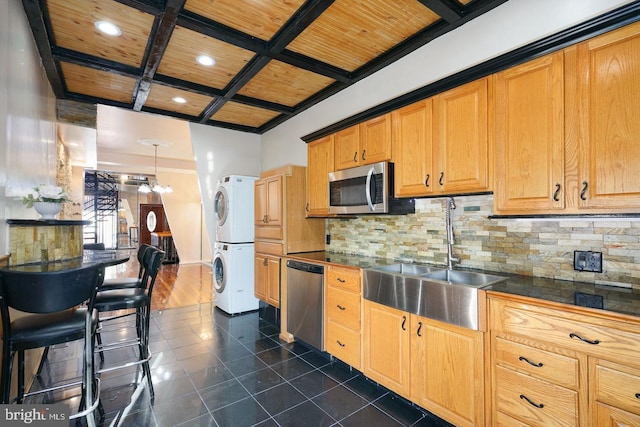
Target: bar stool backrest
142 250
153 264
48 292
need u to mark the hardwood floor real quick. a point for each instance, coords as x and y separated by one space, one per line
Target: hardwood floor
177 285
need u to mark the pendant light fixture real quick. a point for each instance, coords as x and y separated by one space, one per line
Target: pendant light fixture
155 186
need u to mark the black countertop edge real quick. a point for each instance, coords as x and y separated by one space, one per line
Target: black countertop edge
563 216
47 222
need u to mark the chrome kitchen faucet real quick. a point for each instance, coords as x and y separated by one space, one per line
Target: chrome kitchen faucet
451 205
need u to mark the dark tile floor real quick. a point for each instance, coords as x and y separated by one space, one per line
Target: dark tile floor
211 369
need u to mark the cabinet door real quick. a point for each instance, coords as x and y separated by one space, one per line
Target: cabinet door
529 132
447 371
413 149
260 202
273 280
320 162
609 143
375 140
606 415
274 201
460 138
261 278
347 146
386 346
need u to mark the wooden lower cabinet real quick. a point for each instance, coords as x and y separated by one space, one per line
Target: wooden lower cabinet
343 314
386 352
555 365
447 371
267 278
436 365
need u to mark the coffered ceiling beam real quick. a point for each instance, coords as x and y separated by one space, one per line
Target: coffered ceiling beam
446 10
163 28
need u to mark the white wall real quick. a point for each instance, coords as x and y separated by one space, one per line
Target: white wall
509 26
27 118
220 152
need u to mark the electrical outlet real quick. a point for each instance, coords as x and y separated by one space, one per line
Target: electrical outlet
328 239
587 261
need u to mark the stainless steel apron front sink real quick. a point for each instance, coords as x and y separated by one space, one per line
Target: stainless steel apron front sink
449 296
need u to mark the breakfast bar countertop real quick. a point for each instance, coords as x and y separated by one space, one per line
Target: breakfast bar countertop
105 257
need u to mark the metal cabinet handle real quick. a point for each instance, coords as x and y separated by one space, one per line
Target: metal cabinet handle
340 307
306 207
532 403
441 178
355 157
363 152
264 262
426 181
592 342
340 344
557 193
404 320
637 395
537 365
341 280
583 193
419 331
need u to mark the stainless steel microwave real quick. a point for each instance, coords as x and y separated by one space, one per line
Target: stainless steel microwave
366 190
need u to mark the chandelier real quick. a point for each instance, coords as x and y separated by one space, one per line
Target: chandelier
155 186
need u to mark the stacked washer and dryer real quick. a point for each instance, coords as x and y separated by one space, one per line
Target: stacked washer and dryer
233 266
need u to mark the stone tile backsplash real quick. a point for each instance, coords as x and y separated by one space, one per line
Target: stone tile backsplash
531 247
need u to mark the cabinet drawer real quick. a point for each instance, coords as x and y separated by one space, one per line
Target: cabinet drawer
618 386
343 308
579 334
268 248
556 368
274 233
343 343
344 278
557 406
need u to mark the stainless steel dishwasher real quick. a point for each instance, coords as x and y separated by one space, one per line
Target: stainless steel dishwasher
305 302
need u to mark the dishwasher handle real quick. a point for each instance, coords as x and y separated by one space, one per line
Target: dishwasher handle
303 266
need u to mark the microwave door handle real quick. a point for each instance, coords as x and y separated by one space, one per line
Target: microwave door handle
368 189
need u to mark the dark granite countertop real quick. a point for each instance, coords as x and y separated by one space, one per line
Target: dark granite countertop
89 257
46 222
610 298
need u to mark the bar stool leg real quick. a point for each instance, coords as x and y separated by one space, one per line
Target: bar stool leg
20 376
6 373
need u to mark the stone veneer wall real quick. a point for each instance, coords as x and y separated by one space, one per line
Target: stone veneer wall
42 244
531 247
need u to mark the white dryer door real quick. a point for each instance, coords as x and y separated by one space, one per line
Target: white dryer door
221 205
219 273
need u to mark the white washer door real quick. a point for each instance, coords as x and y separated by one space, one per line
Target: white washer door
221 205
219 273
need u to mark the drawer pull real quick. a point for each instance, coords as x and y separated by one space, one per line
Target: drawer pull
341 280
537 365
556 193
419 331
637 395
340 307
594 342
532 403
340 344
404 320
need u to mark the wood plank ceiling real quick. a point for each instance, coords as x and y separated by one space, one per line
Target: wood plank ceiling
273 58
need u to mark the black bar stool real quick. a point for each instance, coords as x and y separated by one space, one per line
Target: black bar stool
129 282
137 299
61 307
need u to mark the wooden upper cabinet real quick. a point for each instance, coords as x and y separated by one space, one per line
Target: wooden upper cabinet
363 144
375 140
268 208
413 149
529 137
320 157
460 139
605 113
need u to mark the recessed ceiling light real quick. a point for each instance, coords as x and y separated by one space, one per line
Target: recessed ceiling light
108 28
205 60
179 99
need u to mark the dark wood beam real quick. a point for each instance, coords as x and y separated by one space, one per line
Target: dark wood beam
447 11
36 18
61 54
163 28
